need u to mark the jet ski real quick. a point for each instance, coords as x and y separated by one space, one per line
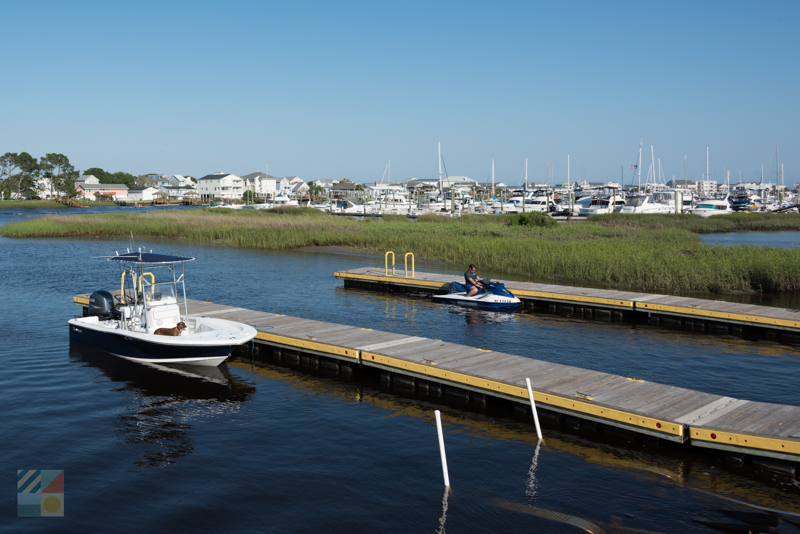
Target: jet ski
493 295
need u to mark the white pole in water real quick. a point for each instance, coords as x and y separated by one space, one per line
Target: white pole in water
533 408
441 448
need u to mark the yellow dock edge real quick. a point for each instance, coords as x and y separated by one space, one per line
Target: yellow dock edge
612 303
558 401
309 344
397 279
715 437
711 314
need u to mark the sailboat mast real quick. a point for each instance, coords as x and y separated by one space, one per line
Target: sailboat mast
707 175
777 166
492 178
526 175
653 164
441 190
639 168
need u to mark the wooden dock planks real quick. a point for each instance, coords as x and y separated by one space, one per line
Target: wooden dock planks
661 410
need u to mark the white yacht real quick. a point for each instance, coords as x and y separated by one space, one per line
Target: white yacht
707 208
644 204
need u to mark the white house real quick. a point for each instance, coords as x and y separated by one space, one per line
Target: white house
86 179
179 180
220 185
142 194
263 185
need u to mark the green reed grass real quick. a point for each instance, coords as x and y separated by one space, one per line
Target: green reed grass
643 252
27 204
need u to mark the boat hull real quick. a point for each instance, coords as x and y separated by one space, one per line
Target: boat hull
483 301
116 342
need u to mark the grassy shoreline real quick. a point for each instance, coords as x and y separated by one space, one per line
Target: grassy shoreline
649 253
30 204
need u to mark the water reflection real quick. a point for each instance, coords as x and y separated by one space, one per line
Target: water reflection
164 400
667 468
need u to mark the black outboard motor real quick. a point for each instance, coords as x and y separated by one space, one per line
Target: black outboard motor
101 304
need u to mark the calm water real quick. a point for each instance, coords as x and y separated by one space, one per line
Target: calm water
255 448
758 239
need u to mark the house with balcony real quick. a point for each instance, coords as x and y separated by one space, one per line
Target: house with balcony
262 184
220 185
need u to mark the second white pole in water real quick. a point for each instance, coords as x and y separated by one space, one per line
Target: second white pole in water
533 408
441 448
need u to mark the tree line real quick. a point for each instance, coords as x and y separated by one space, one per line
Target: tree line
20 173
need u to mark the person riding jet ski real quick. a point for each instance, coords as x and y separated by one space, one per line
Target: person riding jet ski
473 281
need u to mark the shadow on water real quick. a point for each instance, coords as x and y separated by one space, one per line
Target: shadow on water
165 399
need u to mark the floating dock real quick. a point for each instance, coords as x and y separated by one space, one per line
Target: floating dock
438 368
698 315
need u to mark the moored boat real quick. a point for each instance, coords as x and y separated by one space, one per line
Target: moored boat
126 324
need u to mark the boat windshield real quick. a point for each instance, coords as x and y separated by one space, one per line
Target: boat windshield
708 207
635 201
160 292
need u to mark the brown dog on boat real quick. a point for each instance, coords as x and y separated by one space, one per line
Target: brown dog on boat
171 331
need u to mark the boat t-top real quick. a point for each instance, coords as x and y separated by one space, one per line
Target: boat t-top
126 324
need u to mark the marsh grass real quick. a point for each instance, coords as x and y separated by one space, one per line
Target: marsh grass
28 204
647 253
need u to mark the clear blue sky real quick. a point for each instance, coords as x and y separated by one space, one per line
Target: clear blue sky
335 89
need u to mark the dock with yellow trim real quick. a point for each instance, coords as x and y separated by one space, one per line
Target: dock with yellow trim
477 375
698 315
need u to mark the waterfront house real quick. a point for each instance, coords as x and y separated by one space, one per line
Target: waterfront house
262 184
220 185
90 188
141 194
344 190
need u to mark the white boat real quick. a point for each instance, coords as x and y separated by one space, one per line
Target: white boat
536 203
709 207
600 206
282 201
125 325
643 204
347 207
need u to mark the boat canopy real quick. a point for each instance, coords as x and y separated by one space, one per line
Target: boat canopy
149 258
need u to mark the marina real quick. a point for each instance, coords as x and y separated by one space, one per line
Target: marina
736 426
276 434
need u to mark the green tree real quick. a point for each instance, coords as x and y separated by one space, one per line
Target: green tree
315 191
100 174
9 162
27 166
58 168
67 188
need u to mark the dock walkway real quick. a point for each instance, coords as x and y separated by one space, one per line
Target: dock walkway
684 312
667 412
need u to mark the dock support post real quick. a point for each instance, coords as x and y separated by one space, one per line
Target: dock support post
441 449
533 408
